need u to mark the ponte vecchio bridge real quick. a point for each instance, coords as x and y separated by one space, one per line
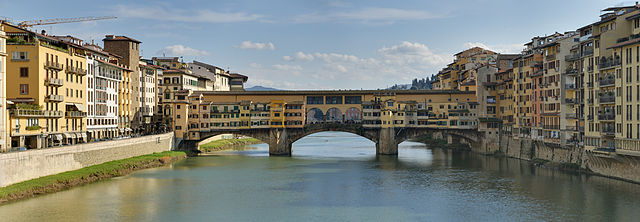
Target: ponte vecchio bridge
279 118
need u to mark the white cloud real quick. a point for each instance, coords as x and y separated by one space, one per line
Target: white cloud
499 48
370 14
299 56
180 50
393 64
256 45
287 67
156 12
412 52
255 65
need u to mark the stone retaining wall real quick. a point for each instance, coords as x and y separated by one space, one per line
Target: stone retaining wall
21 166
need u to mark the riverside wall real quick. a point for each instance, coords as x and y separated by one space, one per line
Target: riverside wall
21 166
623 167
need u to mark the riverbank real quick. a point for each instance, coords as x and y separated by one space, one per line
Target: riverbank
91 174
224 144
550 163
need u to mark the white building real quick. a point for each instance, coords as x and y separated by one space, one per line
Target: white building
147 97
4 146
219 77
103 81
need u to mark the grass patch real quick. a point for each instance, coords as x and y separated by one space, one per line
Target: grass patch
227 144
66 180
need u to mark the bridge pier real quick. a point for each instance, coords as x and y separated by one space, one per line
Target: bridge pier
387 144
279 144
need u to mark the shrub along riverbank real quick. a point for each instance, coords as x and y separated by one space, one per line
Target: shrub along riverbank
66 180
224 144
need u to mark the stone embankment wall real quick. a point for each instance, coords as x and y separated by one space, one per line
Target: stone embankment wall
21 166
493 142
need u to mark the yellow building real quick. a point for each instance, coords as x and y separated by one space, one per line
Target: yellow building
4 127
196 111
47 88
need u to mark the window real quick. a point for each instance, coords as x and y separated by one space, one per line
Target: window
24 89
24 71
20 56
314 100
352 100
334 100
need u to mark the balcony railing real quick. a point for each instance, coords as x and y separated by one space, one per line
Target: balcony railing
55 98
551 57
608 116
54 81
571 71
606 63
570 86
76 114
587 52
609 131
571 101
76 70
35 113
608 98
607 81
53 65
572 57
551 127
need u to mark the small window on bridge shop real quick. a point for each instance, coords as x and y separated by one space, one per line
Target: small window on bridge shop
315 100
353 100
235 107
390 104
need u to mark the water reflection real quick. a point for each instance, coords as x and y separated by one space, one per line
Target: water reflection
339 177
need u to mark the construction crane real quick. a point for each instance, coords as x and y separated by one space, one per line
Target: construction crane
26 24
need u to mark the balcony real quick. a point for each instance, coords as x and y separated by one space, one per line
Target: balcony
54 81
607 117
76 70
35 113
608 131
587 52
53 65
551 57
572 57
608 80
570 86
75 114
55 98
607 98
552 127
610 62
571 101
571 71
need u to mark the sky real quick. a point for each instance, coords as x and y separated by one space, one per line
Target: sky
320 44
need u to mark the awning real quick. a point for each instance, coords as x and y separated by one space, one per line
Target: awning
57 137
128 129
79 136
121 130
66 135
80 107
83 135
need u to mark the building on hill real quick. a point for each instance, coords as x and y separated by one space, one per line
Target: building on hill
220 78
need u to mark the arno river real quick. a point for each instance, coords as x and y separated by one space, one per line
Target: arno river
337 177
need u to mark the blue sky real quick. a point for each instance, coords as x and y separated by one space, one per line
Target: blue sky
322 44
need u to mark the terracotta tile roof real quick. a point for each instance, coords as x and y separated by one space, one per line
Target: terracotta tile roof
119 38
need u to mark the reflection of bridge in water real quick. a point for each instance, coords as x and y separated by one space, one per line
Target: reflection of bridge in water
280 118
